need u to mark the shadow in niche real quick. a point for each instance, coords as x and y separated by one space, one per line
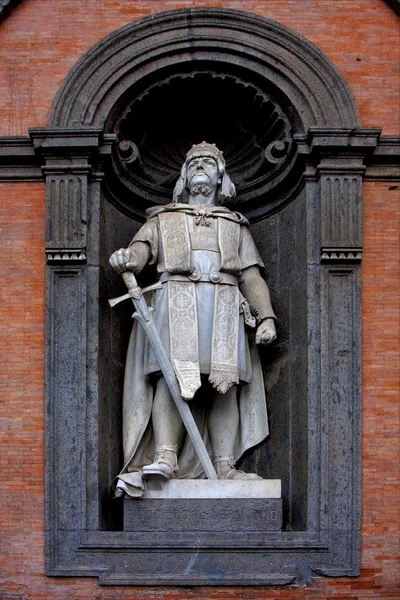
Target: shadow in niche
252 125
114 330
115 327
281 240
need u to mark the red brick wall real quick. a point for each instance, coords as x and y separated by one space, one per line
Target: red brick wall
381 383
38 46
42 40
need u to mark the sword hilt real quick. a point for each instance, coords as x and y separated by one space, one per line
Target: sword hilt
130 280
136 294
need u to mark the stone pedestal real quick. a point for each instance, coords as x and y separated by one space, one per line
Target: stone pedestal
206 488
206 506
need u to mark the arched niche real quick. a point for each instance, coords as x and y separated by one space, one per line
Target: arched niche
291 120
287 60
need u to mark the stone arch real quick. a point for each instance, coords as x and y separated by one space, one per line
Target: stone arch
295 81
289 62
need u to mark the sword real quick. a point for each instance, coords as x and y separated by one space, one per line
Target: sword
143 315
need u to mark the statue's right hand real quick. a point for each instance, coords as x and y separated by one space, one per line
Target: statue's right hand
124 259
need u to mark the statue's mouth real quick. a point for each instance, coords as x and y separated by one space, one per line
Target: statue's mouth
201 173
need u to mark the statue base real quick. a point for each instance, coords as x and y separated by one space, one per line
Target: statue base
206 488
190 506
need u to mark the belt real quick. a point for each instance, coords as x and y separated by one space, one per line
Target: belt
195 276
214 277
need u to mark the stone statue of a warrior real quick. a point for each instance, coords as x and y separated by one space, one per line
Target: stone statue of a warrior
209 297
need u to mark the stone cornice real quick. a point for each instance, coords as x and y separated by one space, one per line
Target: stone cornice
363 148
18 161
384 163
24 158
381 153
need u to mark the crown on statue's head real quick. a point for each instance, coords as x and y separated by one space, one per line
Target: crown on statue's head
205 149
226 188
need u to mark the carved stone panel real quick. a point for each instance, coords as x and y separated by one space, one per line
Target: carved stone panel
341 218
66 211
65 414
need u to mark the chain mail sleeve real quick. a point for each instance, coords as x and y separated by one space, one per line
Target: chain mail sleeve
141 257
256 292
145 245
248 252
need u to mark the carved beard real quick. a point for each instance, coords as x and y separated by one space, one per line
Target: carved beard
202 188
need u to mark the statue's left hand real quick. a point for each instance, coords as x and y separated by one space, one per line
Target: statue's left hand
266 332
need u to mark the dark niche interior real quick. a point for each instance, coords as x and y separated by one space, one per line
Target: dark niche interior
244 122
158 122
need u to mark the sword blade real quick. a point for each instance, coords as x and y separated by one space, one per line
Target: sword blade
144 316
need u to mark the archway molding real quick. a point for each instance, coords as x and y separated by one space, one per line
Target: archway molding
289 62
143 60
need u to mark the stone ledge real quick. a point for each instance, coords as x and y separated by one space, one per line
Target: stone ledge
205 488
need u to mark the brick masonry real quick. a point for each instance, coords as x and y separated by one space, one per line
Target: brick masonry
39 43
42 40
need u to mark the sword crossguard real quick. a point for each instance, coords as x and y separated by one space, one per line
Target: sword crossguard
135 293
114 301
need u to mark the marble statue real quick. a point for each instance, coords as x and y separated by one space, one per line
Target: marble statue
209 297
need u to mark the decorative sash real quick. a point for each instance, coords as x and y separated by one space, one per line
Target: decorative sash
183 319
184 336
224 370
176 242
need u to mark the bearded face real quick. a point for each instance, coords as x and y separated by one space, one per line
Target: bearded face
202 175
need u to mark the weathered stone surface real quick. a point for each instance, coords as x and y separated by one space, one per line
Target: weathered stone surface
203 488
202 515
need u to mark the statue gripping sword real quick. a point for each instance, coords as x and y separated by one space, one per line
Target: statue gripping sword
194 397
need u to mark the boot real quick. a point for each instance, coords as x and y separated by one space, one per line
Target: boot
164 465
225 468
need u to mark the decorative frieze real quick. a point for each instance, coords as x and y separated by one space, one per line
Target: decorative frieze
337 255
57 256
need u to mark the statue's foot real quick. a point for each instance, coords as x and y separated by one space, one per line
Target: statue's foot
164 465
225 468
236 474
